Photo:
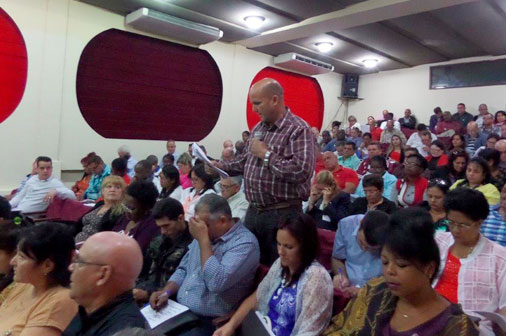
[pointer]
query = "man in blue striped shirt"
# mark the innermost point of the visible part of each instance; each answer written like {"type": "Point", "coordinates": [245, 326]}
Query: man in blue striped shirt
{"type": "Point", "coordinates": [494, 227]}
{"type": "Point", "coordinates": [218, 271]}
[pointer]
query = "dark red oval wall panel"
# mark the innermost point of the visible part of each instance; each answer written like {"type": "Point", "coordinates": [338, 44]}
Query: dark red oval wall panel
{"type": "Point", "coordinates": [131, 86]}
{"type": "Point", "coordinates": [13, 65]}
{"type": "Point", "coordinates": [303, 95]}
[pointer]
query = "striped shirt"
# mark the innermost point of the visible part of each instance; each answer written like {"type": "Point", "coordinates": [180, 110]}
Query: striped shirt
{"type": "Point", "coordinates": [287, 176]}
{"type": "Point", "coordinates": [494, 227]}
{"type": "Point", "coordinates": [226, 278]}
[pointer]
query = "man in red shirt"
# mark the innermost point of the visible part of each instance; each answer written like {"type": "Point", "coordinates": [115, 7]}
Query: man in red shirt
{"type": "Point", "coordinates": [346, 178]}
{"type": "Point", "coordinates": [373, 150]}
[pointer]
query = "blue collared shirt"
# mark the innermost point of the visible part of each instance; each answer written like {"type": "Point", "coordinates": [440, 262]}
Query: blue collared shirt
{"type": "Point", "coordinates": [389, 191]}
{"type": "Point", "coordinates": [227, 277]}
{"type": "Point", "coordinates": [95, 188]}
{"type": "Point", "coordinates": [361, 266]}
{"type": "Point", "coordinates": [494, 226]}
{"type": "Point", "coordinates": [352, 162]}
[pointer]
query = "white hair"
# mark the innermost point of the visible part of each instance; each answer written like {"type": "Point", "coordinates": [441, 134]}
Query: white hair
{"type": "Point", "coordinates": [124, 149]}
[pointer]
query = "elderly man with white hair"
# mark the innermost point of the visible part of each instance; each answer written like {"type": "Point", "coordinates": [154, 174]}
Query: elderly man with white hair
{"type": "Point", "coordinates": [231, 191]}
{"type": "Point", "coordinates": [124, 153]}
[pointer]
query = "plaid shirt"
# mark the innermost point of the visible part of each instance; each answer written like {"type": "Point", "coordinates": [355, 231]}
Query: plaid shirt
{"type": "Point", "coordinates": [226, 278]}
{"type": "Point", "coordinates": [291, 163]}
{"type": "Point", "coordinates": [494, 227]}
{"type": "Point", "coordinates": [95, 188]}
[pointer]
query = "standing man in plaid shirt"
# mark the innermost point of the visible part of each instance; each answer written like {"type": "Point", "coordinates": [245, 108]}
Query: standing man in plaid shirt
{"type": "Point", "coordinates": [277, 165]}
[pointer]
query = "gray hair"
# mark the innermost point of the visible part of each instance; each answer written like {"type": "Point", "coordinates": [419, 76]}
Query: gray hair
{"type": "Point", "coordinates": [124, 149]}
{"type": "Point", "coordinates": [215, 204]}
{"type": "Point", "coordinates": [237, 180]}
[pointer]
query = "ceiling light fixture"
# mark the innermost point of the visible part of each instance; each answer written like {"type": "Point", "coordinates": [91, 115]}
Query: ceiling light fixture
{"type": "Point", "coordinates": [254, 21]}
{"type": "Point", "coordinates": [324, 46]}
{"type": "Point", "coordinates": [370, 63]}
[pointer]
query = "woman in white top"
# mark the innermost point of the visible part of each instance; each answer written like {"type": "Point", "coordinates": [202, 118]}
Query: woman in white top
{"type": "Point", "coordinates": [202, 185]}
{"type": "Point", "coordinates": [171, 185]}
{"type": "Point", "coordinates": [296, 295]}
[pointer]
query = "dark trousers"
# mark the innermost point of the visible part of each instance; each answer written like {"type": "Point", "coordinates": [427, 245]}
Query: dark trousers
{"type": "Point", "coordinates": [264, 225]}
{"type": "Point", "coordinates": [204, 327]}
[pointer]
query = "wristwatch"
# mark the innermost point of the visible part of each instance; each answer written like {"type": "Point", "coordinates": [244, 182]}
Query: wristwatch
{"type": "Point", "coordinates": [266, 158]}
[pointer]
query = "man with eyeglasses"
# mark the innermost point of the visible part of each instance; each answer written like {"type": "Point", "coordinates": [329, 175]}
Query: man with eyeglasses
{"type": "Point", "coordinates": [231, 190]}
{"type": "Point", "coordinates": [103, 275]}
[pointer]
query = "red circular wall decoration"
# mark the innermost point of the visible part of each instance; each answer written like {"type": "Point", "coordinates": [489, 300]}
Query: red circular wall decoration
{"type": "Point", "coordinates": [303, 95]}
{"type": "Point", "coordinates": [13, 65]}
{"type": "Point", "coordinates": [131, 86]}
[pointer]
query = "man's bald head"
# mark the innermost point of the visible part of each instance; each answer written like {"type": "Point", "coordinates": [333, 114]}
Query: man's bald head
{"type": "Point", "coordinates": [107, 265]}
{"type": "Point", "coordinates": [266, 97]}
{"type": "Point", "coordinates": [501, 147]}
{"type": "Point", "coordinates": [227, 154]}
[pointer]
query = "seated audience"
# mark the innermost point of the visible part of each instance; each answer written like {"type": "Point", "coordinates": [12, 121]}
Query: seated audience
{"type": "Point", "coordinates": [455, 169]}
{"type": "Point", "coordinates": [231, 191]}
{"type": "Point", "coordinates": [411, 189]}
{"type": "Point", "coordinates": [435, 118]}
{"type": "Point", "coordinates": [138, 223]}
{"type": "Point", "coordinates": [296, 294]}
{"type": "Point", "coordinates": [458, 142]}
{"type": "Point", "coordinates": [144, 172]}
{"type": "Point", "coordinates": [488, 127]}
{"type": "Point", "coordinates": [103, 275]}
{"type": "Point", "coordinates": [437, 157]}
{"type": "Point", "coordinates": [349, 158]}
{"type": "Point", "coordinates": [373, 149]}
{"type": "Point", "coordinates": [184, 164]}
{"type": "Point", "coordinates": [80, 186]}
{"type": "Point", "coordinates": [202, 185]}
{"type": "Point", "coordinates": [408, 121]}
{"type": "Point", "coordinates": [39, 302]}
{"type": "Point", "coordinates": [328, 204]}
{"type": "Point", "coordinates": [240, 146]}
{"type": "Point", "coordinates": [490, 143]}
{"type": "Point", "coordinates": [374, 129]}
{"type": "Point", "coordinates": [473, 138]}
{"type": "Point", "coordinates": [171, 149]}
{"type": "Point", "coordinates": [478, 177]}
{"type": "Point", "coordinates": [483, 109]}
{"type": "Point", "coordinates": [218, 271]}
{"type": "Point", "coordinates": [379, 167]}
{"type": "Point", "coordinates": [403, 302]}
{"type": "Point", "coordinates": [124, 153]}
{"type": "Point", "coordinates": [436, 191]}
{"type": "Point", "coordinates": [462, 116]}
{"type": "Point", "coordinates": [326, 137]}
{"type": "Point", "coordinates": [395, 151]}
{"type": "Point", "coordinates": [9, 235]}
{"type": "Point", "coordinates": [5, 211]}
{"type": "Point", "coordinates": [168, 160]}
{"type": "Point", "coordinates": [390, 116]}
{"type": "Point", "coordinates": [245, 136]}
{"type": "Point", "coordinates": [501, 147]}
{"type": "Point", "coordinates": [119, 168]}
{"type": "Point", "coordinates": [170, 183]}
{"type": "Point", "coordinates": [227, 154]}
{"type": "Point", "coordinates": [389, 131]}
{"type": "Point", "coordinates": [493, 158]}
{"type": "Point", "coordinates": [155, 167]}
{"type": "Point", "coordinates": [356, 137]}
{"type": "Point", "coordinates": [352, 123]}
{"type": "Point", "coordinates": [166, 250]}
{"type": "Point", "coordinates": [362, 148]}
{"type": "Point", "coordinates": [500, 118]}
{"type": "Point", "coordinates": [105, 215]}
{"type": "Point", "coordinates": [473, 268]}
{"type": "Point", "coordinates": [447, 127]}
{"type": "Point", "coordinates": [415, 140]}
{"type": "Point", "coordinates": [40, 189]}
{"type": "Point", "coordinates": [100, 171]}
{"type": "Point", "coordinates": [397, 169]}
{"type": "Point", "coordinates": [494, 227]}
{"type": "Point", "coordinates": [373, 200]}
{"type": "Point", "coordinates": [345, 178]}
{"type": "Point", "coordinates": [355, 256]}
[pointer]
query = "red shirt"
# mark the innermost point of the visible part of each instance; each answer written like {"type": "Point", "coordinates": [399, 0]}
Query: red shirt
{"type": "Point", "coordinates": [344, 175]}
{"type": "Point", "coordinates": [127, 179]}
{"type": "Point", "coordinates": [319, 166]}
{"type": "Point", "coordinates": [448, 284]}
{"type": "Point", "coordinates": [376, 133]}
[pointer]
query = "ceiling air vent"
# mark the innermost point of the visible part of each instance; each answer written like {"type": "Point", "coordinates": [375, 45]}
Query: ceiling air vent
{"type": "Point", "coordinates": [175, 28]}
{"type": "Point", "coordinates": [300, 63]}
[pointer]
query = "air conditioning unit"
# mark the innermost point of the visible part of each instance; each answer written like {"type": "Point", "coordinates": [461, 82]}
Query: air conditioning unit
{"type": "Point", "coordinates": [299, 63]}
{"type": "Point", "coordinates": [151, 21]}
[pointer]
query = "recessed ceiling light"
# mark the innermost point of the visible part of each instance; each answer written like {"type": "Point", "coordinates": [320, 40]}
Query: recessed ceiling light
{"type": "Point", "coordinates": [254, 21]}
{"type": "Point", "coordinates": [324, 46]}
{"type": "Point", "coordinates": [370, 63]}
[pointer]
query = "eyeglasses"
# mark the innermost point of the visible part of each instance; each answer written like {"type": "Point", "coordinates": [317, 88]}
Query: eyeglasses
{"type": "Point", "coordinates": [411, 164]}
{"type": "Point", "coordinates": [460, 226]}
{"type": "Point", "coordinates": [224, 186]}
{"type": "Point", "coordinates": [78, 260]}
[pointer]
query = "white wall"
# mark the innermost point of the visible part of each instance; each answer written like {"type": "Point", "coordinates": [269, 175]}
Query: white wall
{"type": "Point", "coordinates": [48, 120]}
{"type": "Point", "coordinates": [400, 89]}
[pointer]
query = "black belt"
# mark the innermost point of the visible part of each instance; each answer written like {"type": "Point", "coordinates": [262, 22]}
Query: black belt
{"type": "Point", "coordinates": [278, 206]}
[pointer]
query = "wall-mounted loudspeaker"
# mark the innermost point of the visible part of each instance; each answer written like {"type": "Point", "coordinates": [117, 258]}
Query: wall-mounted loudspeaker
{"type": "Point", "coordinates": [349, 87]}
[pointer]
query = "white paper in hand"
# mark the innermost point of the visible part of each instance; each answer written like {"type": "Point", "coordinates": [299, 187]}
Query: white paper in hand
{"type": "Point", "coordinates": [197, 152]}
{"type": "Point", "coordinates": [494, 317]}
{"type": "Point", "coordinates": [155, 318]}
